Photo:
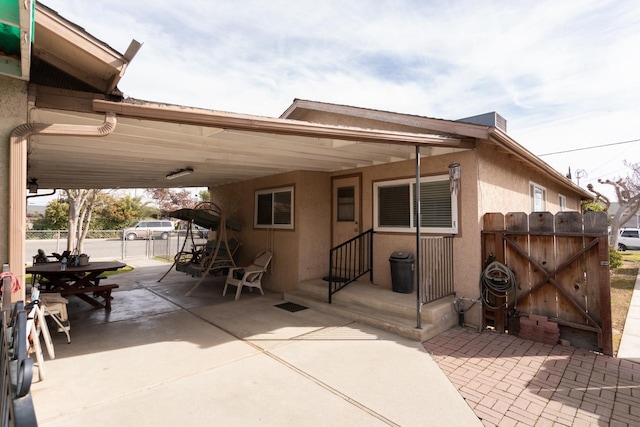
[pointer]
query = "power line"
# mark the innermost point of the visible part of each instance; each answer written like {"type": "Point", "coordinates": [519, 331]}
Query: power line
{"type": "Point", "coordinates": [589, 148]}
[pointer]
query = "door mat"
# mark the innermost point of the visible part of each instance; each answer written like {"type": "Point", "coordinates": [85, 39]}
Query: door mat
{"type": "Point", "coordinates": [291, 306]}
{"type": "Point", "coordinates": [335, 279]}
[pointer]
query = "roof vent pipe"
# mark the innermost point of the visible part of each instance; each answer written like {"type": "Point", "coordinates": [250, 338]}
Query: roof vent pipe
{"type": "Point", "coordinates": [18, 176]}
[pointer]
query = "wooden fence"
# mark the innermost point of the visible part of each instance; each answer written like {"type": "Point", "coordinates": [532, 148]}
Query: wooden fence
{"type": "Point", "coordinates": [561, 266]}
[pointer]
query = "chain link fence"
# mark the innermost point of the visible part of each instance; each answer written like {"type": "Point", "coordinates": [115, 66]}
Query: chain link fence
{"type": "Point", "coordinates": [109, 245]}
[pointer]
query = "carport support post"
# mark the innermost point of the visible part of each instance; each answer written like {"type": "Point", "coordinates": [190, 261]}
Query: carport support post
{"type": "Point", "coordinates": [417, 260]}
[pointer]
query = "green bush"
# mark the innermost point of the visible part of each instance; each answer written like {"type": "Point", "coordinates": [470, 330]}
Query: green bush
{"type": "Point", "coordinates": [615, 258]}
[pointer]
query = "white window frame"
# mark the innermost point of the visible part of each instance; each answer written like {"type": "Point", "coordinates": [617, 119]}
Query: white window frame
{"type": "Point", "coordinates": [273, 191]}
{"type": "Point", "coordinates": [535, 189]}
{"type": "Point", "coordinates": [409, 181]}
{"type": "Point", "coordinates": [562, 202]}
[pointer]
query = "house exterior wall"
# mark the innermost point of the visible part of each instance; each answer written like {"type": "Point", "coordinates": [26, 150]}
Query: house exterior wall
{"type": "Point", "coordinates": [490, 182]}
{"type": "Point", "coordinates": [302, 253]}
{"type": "Point", "coordinates": [466, 242]}
{"type": "Point", "coordinates": [13, 110]}
{"type": "Point", "coordinates": [298, 254]}
{"type": "Point", "coordinates": [504, 184]}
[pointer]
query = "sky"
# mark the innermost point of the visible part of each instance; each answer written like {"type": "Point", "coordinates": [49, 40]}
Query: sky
{"type": "Point", "coordinates": [564, 74]}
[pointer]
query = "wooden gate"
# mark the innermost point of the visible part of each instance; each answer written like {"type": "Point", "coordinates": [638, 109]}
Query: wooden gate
{"type": "Point", "coordinates": [561, 266]}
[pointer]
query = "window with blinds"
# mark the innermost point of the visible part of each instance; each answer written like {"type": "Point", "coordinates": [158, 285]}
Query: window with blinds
{"type": "Point", "coordinates": [394, 207]}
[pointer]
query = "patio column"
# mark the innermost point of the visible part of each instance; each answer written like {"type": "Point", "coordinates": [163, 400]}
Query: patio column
{"type": "Point", "coordinates": [417, 259]}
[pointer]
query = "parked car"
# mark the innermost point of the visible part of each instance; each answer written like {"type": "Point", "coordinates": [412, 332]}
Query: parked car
{"type": "Point", "coordinates": [196, 230]}
{"type": "Point", "coordinates": [629, 239]}
{"type": "Point", "coordinates": [149, 229]}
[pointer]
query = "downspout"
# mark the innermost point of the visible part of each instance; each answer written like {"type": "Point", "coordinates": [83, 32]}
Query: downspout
{"type": "Point", "coordinates": [18, 142]}
{"type": "Point", "coordinates": [417, 259]}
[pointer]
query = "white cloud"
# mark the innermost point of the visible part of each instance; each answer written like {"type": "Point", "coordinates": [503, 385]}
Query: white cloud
{"type": "Point", "coordinates": [562, 73]}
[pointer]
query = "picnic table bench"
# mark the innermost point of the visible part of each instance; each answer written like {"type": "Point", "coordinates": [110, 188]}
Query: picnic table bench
{"type": "Point", "coordinates": [80, 280]}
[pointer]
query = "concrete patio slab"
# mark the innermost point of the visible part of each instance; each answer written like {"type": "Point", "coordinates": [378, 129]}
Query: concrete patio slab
{"type": "Point", "coordinates": [163, 359]}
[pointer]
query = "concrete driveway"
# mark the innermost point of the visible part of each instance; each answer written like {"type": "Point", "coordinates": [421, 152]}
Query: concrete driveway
{"type": "Point", "coordinates": [163, 359]}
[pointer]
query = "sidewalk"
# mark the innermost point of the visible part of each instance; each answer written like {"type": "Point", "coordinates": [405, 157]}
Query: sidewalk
{"type": "Point", "coordinates": [630, 343]}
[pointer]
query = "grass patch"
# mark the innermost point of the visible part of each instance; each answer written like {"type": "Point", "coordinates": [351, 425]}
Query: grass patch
{"type": "Point", "coordinates": [127, 268]}
{"type": "Point", "coordinates": [623, 280]}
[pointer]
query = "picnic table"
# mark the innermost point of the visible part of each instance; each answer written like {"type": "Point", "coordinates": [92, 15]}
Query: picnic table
{"type": "Point", "coordinates": [79, 280]}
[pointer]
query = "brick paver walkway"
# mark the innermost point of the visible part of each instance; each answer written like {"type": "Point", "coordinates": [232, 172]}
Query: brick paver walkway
{"type": "Point", "coordinates": [509, 381]}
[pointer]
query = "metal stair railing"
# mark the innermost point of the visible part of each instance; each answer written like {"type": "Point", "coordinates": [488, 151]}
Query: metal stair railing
{"type": "Point", "coordinates": [349, 261]}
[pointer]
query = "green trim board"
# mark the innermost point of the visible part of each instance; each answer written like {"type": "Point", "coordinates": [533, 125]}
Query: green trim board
{"type": "Point", "coordinates": [16, 33]}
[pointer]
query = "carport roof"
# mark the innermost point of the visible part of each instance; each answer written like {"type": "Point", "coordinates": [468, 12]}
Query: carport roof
{"type": "Point", "coordinates": [151, 140]}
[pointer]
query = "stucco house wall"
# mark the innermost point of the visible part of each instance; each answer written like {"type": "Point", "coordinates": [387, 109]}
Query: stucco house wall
{"type": "Point", "coordinates": [504, 184]}
{"type": "Point", "coordinates": [298, 254]}
{"type": "Point", "coordinates": [490, 182]}
{"type": "Point", "coordinates": [13, 110]}
{"type": "Point", "coordinates": [466, 242]}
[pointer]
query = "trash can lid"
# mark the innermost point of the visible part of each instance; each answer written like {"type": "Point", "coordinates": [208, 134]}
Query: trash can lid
{"type": "Point", "coordinates": [405, 256]}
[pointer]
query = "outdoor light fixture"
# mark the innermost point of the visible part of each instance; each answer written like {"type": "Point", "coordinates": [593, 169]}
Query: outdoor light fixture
{"type": "Point", "coordinates": [179, 173]}
{"type": "Point", "coordinates": [454, 177]}
{"type": "Point", "coordinates": [33, 185]}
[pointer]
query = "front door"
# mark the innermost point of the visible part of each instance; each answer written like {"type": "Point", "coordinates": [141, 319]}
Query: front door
{"type": "Point", "coordinates": [346, 208]}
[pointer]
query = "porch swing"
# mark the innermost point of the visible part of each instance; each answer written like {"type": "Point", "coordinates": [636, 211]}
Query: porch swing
{"type": "Point", "coordinates": [216, 256]}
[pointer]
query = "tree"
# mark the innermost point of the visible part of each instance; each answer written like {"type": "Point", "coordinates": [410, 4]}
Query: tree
{"type": "Point", "coordinates": [628, 195]}
{"type": "Point", "coordinates": [169, 200]}
{"type": "Point", "coordinates": [81, 203]}
{"type": "Point", "coordinates": [205, 196]}
{"type": "Point", "coordinates": [56, 216]}
{"type": "Point", "coordinates": [115, 213]}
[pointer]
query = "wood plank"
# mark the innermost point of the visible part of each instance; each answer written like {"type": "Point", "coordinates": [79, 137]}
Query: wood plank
{"type": "Point", "coordinates": [492, 247]}
{"type": "Point", "coordinates": [541, 249]}
{"type": "Point", "coordinates": [596, 222]}
{"type": "Point", "coordinates": [605, 296]}
{"type": "Point", "coordinates": [571, 278]}
{"type": "Point", "coordinates": [592, 272]}
{"type": "Point", "coordinates": [518, 222]}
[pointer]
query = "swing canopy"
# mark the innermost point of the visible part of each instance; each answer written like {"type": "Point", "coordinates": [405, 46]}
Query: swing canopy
{"type": "Point", "coordinates": [203, 218]}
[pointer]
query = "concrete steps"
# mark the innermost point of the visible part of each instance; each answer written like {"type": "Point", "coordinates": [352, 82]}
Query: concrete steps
{"type": "Point", "coordinates": [379, 307]}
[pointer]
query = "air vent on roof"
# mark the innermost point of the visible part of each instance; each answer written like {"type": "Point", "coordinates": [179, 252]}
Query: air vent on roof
{"type": "Point", "coordinates": [492, 119]}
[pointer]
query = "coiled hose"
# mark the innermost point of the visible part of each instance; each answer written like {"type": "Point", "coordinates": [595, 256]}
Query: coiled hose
{"type": "Point", "coordinates": [497, 281]}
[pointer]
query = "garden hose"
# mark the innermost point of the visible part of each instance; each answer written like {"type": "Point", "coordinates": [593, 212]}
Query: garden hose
{"type": "Point", "coordinates": [497, 280]}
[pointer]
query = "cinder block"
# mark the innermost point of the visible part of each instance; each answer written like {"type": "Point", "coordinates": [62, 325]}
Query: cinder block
{"type": "Point", "coordinates": [525, 321]}
{"type": "Point", "coordinates": [550, 326]}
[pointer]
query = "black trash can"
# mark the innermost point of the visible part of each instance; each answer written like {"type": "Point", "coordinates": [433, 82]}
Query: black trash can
{"type": "Point", "coordinates": [402, 267]}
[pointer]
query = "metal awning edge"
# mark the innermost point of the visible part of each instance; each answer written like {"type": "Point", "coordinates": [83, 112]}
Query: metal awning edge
{"type": "Point", "coordinates": [202, 117]}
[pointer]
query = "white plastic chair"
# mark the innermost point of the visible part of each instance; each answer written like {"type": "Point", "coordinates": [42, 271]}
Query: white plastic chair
{"type": "Point", "coordinates": [250, 275]}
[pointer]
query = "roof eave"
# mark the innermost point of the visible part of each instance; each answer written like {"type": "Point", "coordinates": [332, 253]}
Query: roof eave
{"type": "Point", "coordinates": [71, 49]}
{"type": "Point", "coordinates": [525, 155]}
{"type": "Point", "coordinates": [440, 126]}
{"type": "Point", "coordinates": [194, 116]}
